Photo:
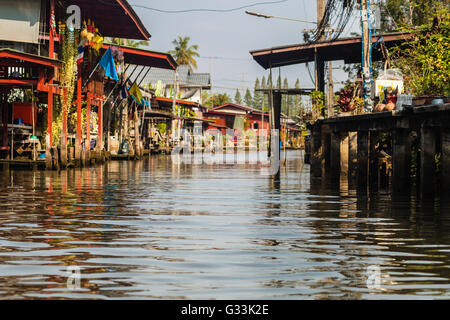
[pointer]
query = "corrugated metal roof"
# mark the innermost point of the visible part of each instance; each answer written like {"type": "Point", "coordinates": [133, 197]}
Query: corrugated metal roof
{"type": "Point", "coordinates": [184, 77]}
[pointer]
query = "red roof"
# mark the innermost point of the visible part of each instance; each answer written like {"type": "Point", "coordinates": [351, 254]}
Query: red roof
{"type": "Point", "coordinates": [237, 106]}
{"type": "Point", "coordinates": [10, 54]}
{"type": "Point", "coordinates": [182, 102]}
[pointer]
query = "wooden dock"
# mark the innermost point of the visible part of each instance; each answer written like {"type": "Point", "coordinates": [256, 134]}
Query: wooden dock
{"type": "Point", "coordinates": [350, 146]}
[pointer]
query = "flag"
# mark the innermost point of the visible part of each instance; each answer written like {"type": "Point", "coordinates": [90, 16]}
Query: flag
{"type": "Point", "coordinates": [124, 92]}
{"type": "Point", "coordinates": [107, 63]}
{"type": "Point", "coordinates": [80, 56]}
{"type": "Point", "coordinates": [135, 92]}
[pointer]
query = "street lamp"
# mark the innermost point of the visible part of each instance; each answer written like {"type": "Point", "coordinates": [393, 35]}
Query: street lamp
{"type": "Point", "coordinates": [266, 16]}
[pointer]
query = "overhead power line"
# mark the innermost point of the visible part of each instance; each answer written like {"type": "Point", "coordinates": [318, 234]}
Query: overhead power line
{"type": "Point", "coordinates": [209, 10]}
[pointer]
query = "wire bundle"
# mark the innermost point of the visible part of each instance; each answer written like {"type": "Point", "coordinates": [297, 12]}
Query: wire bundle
{"type": "Point", "coordinates": [336, 16]}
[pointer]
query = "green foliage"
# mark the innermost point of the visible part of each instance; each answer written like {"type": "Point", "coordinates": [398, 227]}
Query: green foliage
{"type": "Point", "coordinates": [406, 13]}
{"type": "Point", "coordinates": [425, 60]}
{"type": "Point", "coordinates": [162, 127]}
{"type": "Point", "coordinates": [248, 98]}
{"type": "Point", "coordinates": [318, 103]}
{"type": "Point", "coordinates": [184, 53]}
{"type": "Point", "coordinates": [215, 99]}
{"type": "Point", "coordinates": [257, 96]}
{"type": "Point", "coordinates": [128, 42]}
{"type": "Point", "coordinates": [237, 97]}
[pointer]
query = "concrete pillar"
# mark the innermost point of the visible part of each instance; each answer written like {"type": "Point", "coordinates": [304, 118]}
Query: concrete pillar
{"type": "Point", "coordinates": [373, 160]}
{"type": "Point", "coordinates": [352, 154]}
{"type": "Point", "coordinates": [316, 152]}
{"type": "Point", "coordinates": [427, 161]}
{"type": "Point", "coordinates": [344, 158]}
{"type": "Point", "coordinates": [335, 155]}
{"type": "Point", "coordinates": [401, 160]}
{"type": "Point", "coordinates": [445, 161]}
{"type": "Point", "coordinates": [363, 159]}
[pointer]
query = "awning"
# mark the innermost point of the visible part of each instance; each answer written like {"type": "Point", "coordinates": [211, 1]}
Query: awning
{"type": "Point", "coordinates": [10, 56]}
{"type": "Point", "coordinates": [13, 58]}
{"type": "Point", "coordinates": [146, 58]}
{"type": "Point", "coordinates": [114, 18]}
{"type": "Point", "coordinates": [347, 49]}
{"type": "Point", "coordinates": [167, 101]}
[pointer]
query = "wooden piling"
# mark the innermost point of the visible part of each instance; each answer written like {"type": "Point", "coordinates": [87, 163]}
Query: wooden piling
{"type": "Point", "coordinates": [335, 155]}
{"type": "Point", "coordinates": [363, 159]}
{"type": "Point", "coordinates": [445, 161]}
{"type": "Point", "coordinates": [48, 153]}
{"type": "Point", "coordinates": [326, 147]}
{"type": "Point", "coordinates": [344, 156]}
{"type": "Point", "coordinates": [316, 152]}
{"type": "Point", "coordinates": [374, 137]}
{"type": "Point", "coordinates": [401, 160]}
{"type": "Point", "coordinates": [427, 161]}
{"type": "Point", "coordinates": [352, 155]}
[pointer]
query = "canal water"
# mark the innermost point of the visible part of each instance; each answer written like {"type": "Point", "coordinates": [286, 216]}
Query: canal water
{"type": "Point", "coordinates": [154, 229]}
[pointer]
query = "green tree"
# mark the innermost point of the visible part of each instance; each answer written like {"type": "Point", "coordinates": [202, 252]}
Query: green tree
{"type": "Point", "coordinates": [297, 100]}
{"type": "Point", "coordinates": [402, 13]}
{"type": "Point", "coordinates": [184, 53]}
{"type": "Point", "coordinates": [237, 97]}
{"type": "Point", "coordinates": [279, 82]}
{"type": "Point", "coordinates": [285, 101]}
{"type": "Point", "coordinates": [425, 59]}
{"type": "Point", "coordinates": [248, 99]}
{"type": "Point", "coordinates": [264, 96]}
{"type": "Point", "coordinates": [215, 99]}
{"type": "Point", "coordinates": [257, 96]}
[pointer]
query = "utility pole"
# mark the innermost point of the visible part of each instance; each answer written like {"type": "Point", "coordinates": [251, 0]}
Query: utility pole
{"type": "Point", "coordinates": [367, 53]}
{"type": "Point", "coordinates": [318, 60]}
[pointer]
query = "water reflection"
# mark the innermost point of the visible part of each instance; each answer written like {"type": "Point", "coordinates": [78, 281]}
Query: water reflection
{"type": "Point", "coordinates": [156, 229]}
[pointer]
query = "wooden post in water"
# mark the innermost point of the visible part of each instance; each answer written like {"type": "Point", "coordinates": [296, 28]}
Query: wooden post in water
{"type": "Point", "coordinates": [64, 131]}
{"type": "Point", "coordinates": [335, 155]}
{"type": "Point", "coordinates": [344, 159]}
{"type": "Point", "coordinates": [363, 160]}
{"type": "Point", "coordinates": [277, 124]}
{"type": "Point", "coordinates": [427, 161]}
{"type": "Point", "coordinates": [445, 161]}
{"type": "Point", "coordinates": [316, 151]}
{"type": "Point", "coordinates": [373, 160]}
{"type": "Point", "coordinates": [326, 147]}
{"type": "Point", "coordinates": [352, 155]}
{"type": "Point", "coordinates": [401, 160]}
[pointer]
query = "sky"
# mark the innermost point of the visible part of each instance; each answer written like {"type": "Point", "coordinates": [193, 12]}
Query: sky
{"type": "Point", "coordinates": [225, 38]}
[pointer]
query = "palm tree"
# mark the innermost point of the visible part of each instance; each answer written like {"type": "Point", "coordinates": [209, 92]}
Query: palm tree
{"type": "Point", "coordinates": [184, 53]}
